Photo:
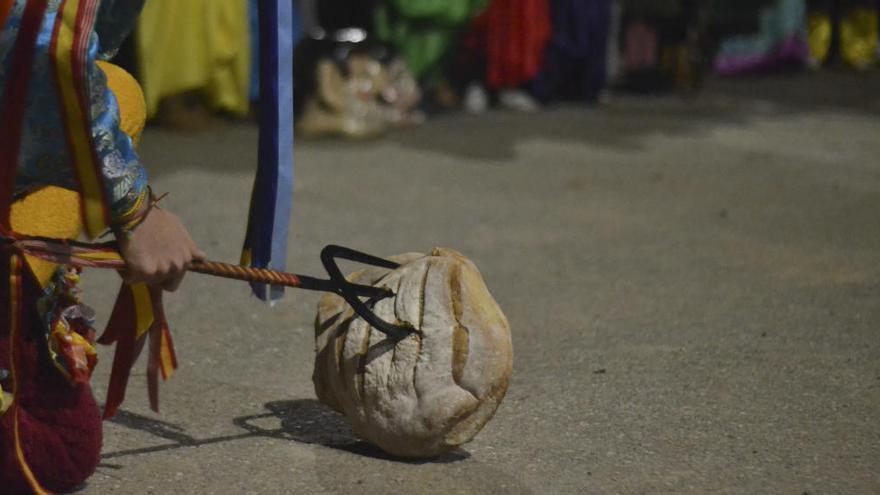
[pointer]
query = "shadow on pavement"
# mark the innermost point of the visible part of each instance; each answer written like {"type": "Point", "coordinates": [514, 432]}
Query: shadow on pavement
{"type": "Point", "coordinates": [303, 420]}
{"type": "Point", "coordinates": [310, 422]}
{"type": "Point", "coordinates": [168, 431]}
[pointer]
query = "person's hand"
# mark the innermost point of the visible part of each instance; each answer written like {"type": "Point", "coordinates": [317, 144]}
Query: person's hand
{"type": "Point", "coordinates": [159, 251]}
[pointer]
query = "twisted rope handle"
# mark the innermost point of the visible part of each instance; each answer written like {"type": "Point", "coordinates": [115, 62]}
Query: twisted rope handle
{"type": "Point", "coordinates": [107, 256]}
{"type": "Point", "coordinates": [258, 275]}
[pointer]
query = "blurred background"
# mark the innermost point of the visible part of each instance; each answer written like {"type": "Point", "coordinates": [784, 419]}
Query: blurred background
{"type": "Point", "coordinates": [364, 68]}
{"type": "Point", "coordinates": [675, 203]}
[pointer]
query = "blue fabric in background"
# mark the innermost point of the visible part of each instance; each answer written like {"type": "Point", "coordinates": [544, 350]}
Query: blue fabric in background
{"type": "Point", "coordinates": [575, 64]}
{"type": "Point", "coordinates": [254, 21]}
{"type": "Point", "coordinates": [265, 243]}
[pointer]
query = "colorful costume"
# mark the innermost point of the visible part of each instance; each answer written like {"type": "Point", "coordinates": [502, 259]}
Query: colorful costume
{"type": "Point", "coordinates": [61, 131]}
{"type": "Point", "coordinates": [857, 25]}
{"type": "Point", "coordinates": [70, 121]}
{"type": "Point", "coordinates": [424, 32]}
{"type": "Point", "coordinates": [196, 45]}
{"type": "Point", "coordinates": [575, 66]}
{"type": "Point", "coordinates": [45, 158]}
{"type": "Point", "coordinates": [781, 40]}
{"type": "Point", "coordinates": [512, 35]}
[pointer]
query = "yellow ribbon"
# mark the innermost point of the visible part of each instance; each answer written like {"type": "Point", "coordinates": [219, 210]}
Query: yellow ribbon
{"type": "Point", "coordinates": [5, 400]}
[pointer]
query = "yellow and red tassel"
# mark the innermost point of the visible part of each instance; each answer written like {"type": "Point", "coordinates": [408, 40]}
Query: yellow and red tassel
{"type": "Point", "coordinates": [136, 317]}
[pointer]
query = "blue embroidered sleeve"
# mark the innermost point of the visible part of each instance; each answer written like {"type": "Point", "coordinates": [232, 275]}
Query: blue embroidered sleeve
{"type": "Point", "coordinates": [124, 177]}
{"type": "Point", "coordinates": [44, 158]}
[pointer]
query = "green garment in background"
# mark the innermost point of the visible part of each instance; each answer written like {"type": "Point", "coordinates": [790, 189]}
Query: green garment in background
{"type": "Point", "coordinates": [425, 31]}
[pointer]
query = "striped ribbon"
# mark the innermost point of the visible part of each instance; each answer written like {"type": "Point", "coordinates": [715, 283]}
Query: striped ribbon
{"type": "Point", "coordinates": [70, 42]}
{"type": "Point", "coordinates": [12, 107]}
{"type": "Point", "coordinates": [265, 243]}
{"type": "Point", "coordinates": [13, 104]}
{"type": "Point", "coordinates": [69, 252]}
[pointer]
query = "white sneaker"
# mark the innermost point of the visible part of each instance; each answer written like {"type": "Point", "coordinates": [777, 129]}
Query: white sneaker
{"type": "Point", "coordinates": [517, 100]}
{"type": "Point", "coordinates": [476, 101]}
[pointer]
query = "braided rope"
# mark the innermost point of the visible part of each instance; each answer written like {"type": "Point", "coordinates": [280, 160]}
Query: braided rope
{"type": "Point", "coordinates": [102, 256]}
{"type": "Point", "coordinates": [258, 275]}
{"type": "Point", "coordinates": [107, 256]}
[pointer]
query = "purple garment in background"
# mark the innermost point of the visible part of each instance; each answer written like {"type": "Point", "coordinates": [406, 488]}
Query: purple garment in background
{"type": "Point", "coordinates": [792, 51]}
{"type": "Point", "coordinates": [575, 65]}
{"type": "Point", "coordinates": [781, 41]}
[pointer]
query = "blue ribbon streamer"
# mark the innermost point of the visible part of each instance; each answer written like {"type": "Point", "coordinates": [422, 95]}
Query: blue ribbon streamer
{"type": "Point", "coordinates": [265, 243]}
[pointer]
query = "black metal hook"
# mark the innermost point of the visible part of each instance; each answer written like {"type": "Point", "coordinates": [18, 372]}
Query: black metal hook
{"type": "Point", "coordinates": [350, 291]}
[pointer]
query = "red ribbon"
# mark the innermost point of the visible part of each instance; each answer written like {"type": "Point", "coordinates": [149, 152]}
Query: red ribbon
{"type": "Point", "coordinates": [122, 331]}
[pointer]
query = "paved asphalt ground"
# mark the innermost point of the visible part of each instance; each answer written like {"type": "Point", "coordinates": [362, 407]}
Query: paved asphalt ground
{"type": "Point", "coordinates": [693, 286]}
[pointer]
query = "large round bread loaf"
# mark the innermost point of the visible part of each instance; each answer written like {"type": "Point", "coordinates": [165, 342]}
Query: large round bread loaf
{"type": "Point", "coordinates": [436, 388]}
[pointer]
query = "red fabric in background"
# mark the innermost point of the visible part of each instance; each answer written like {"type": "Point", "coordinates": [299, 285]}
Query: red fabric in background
{"type": "Point", "coordinates": [60, 424]}
{"type": "Point", "coordinates": [513, 35]}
